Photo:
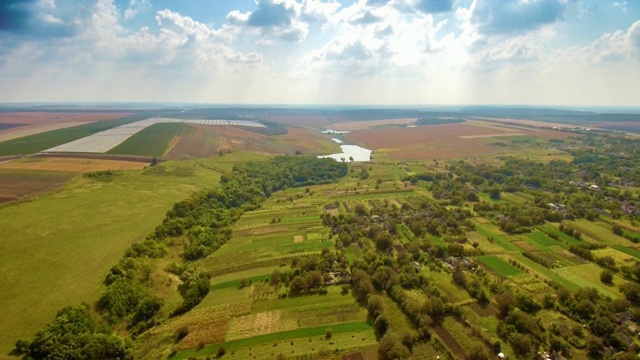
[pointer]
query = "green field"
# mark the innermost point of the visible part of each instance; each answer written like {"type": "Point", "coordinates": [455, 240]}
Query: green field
{"type": "Point", "coordinates": [490, 232]}
{"type": "Point", "coordinates": [307, 341]}
{"type": "Point", "coordinates": [39, 142]}
{"type": "Point", "coordinates": [56, 251]}
{"type": "Point", "coordinates": [152, 141]}
{"type": "Point", "coordinates": [499, 266]}
{"type": "Point", "coordinates": [629, 251]}
{"type": "Point", "coordinates": [542, 239]}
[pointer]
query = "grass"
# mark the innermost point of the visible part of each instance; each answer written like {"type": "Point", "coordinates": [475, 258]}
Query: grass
{"type": "Point", "coordinates": [43, 141]}
{"type": "Point", "coordinates": [597, 232]}
{"type": "Point", "coordinates": [499, 266]}
{"type": "Point", "coordinates": [542, 238]}
{"type": "Point", "coordinates": [56, 250]}
{"type": "Point", "coordinates": [552, 229]}
{"type": "Point", "coordinates": [587, 275]}
{"type": "Point", "coordinates": [360, 327]}
{"type": "Point", "coordinates": [633, 252]}
{"type": "Point", "coordinates": [152, 141]}
{"type": "Point", "coordinates": [490, 232]}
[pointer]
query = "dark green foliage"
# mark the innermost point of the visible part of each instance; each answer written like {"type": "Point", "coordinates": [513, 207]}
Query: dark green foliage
{"type": "Point", "coordinates": [73, 335]}
{"type": "Point", "coordinates": [606, 276]}
{"type": "Point", "coordinates": [438, 121]}
{"type": "Point", "coordinates": [21, 346]}
{"type": "Point", "coordinates": [195, 286]}
{"type": "Point", "coordinates": [392, 348]}
{"type": "Point", "coordinates": [125, 298]}
{"type": "Point", "coordinates": [361, 284]}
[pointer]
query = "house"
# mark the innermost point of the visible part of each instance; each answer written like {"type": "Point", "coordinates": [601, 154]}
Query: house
{"type": "Point", "coordinates": [453, 261]}
{"type": "Point", "coordinates": [624, 316]}
{"type": "Point", "coordinates": [631, 326]}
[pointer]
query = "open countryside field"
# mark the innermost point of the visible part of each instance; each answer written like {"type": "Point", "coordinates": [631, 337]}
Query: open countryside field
{"type": "Point", "coordinates": [39, 142]}
{"type": "Point", "coordinates": [78, 165]}
{"type": "Point", "coordinates": [16, 184]}
{"type": "Point", "coordinates": [363, 125]}
{"type": "Point", "coordinates": [202, 141]}
{"type": "Point", "coordinates": [30, 118]}
{"type": "Point", "coordinates": [442, 141]}
{"type": "Point", "coordinates": [88, 224]}
{"type": "Point", "coordinates": [152, 141]}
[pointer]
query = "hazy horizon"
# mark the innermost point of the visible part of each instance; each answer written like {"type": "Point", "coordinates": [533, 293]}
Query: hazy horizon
{"type": "Point", "coordinates": [541, 53]}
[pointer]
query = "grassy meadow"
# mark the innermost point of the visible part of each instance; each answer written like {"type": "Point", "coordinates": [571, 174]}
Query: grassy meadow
{"type": "Point", "coordinates": [56, 249]}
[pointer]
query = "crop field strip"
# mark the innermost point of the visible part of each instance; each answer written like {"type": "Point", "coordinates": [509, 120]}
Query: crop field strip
{"type": "Point", "coordinates": [105, 141]}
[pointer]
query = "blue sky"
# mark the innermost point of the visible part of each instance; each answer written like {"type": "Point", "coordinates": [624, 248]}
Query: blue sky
{"type": "Point", "coordinates": [370, 52]}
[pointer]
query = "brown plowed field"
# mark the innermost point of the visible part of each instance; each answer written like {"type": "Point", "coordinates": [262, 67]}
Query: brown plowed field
{"type": "Point", "coordinates": [205, 141]}
{"type": "Point", "coordinates": [450, 342]}
{"type": "Point", "coordinates": [44, 117]}
{"type": "Point", "coordinates": [363, 125]}
{"type": "Point", "coordinates": [18, 184]}
{"type": "Point", "coordinates": [440, 141]}
{"type": "Point", "coordinates": [39, 122]}
{"type": "Point", "coordinates": [311, 121]}
{"type": "Point", "coordinates": [22, 131]}
{"type": "Point", "coordinates": [71, 164]}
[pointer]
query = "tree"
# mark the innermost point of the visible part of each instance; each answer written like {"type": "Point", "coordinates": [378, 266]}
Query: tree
{"type": "Point", "coordinates": [314, 280]}
{"type": "Point", "coordinates": [375, 306]}
{"type": "Point", "coordinates": [362, 285]}
{"type": "Point", "coordinates": [522, 344]}
{"type": "Point", "coordinates": [494, 193]}
{"type": "Point", "coordinates": [381, 324]}
{"type": "Point", "coordinates": [391, 348]}
{"type": "Point", "coordinates": [383, 241]}
{"type": "Point", "coordinates": [297, 285]}
{"type": "Point", "coordinates": [606, 276]}
{"type": "Point", "coordinates": [478, 352]}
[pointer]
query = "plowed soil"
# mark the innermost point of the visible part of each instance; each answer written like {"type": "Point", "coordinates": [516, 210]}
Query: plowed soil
{"type": "Point", "coordinates": [46, 117]}
{"type": "Point", "coordinates": [38, 122]}
{"type": "Point", "coordinates": [362, 125]}
{"type": "Point", "coordinates": [441, 141]}
{"type": "Point", "coordinates": [19, 184]}
{"type": "Point", "coordinates": [71, 164]}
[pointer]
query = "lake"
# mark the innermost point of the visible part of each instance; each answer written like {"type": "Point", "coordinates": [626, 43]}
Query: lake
{"type": "Point", "coordinates": [356, 152]}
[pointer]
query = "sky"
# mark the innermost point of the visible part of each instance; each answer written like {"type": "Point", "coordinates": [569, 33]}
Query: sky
{"type": "Point", "coordinates": [362, 52]}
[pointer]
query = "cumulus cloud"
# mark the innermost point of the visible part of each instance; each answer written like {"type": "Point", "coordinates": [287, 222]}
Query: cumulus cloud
{"type": "Point", "coordinates": [287, 20]}
{"type": "Point", "coordinates": [618, 46]}
{"type": "Point", "coordinates": [497, 17]}
{"type": "Point", "coordinates": [136, 6]}
{"type": "Point", "coordinates": [365, 18]}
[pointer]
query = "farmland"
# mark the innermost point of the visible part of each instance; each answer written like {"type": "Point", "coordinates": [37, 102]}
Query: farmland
{"type": "Point", "coordinates": [102, 217]}
{"type": "Point", "coordinates": [410, 251]}
{"type": "Point", "coordinates": [42, 141]}
{"type": "Point", "coordinates": [446, 141]}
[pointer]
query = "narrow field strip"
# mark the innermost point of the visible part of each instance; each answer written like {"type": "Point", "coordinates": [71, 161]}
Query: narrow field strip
{"type": "Point", "coordinates": [275, 337]}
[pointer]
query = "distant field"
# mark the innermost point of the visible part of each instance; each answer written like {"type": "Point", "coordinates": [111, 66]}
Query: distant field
{"type": "Point", "coordinates": [363, 125]}
{"type": "Point", "coordinates": [152, 141]}
{"type": "Point", "coordinates": [71, 164]}
{"type": "Point", "coordinates": [442, 141]}
{"type": "Point", "coordinates": [26, 118]}
{"type": "Point", "coordinates": [39, 142]}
